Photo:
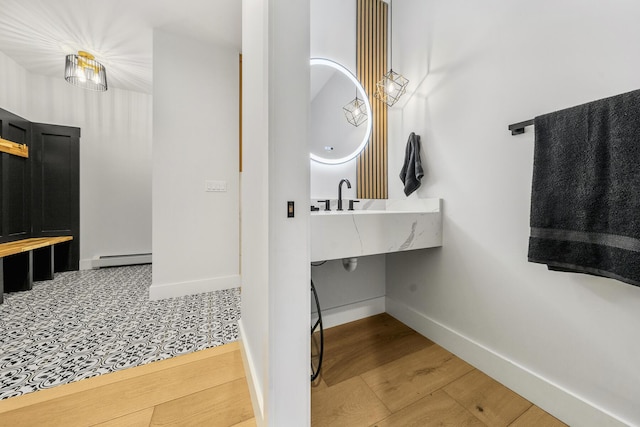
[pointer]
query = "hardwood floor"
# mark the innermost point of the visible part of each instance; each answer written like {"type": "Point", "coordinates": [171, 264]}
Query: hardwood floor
{"type": "Point", "coordinates": [378, 372]}
{"type": "Point", "coordinates": [205, 388]}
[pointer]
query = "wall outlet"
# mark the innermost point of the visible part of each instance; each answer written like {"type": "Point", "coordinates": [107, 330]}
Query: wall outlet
{"type": "Point", "coordinates": [215, 186]}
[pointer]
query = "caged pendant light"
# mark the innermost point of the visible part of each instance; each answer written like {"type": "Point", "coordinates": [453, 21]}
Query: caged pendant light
{"type": "Point", "coordinates": [393, 85]}
{"type": "Point", "coordinates": [356, 111]}
{"type": "Point", "coordinates": [84, 71]}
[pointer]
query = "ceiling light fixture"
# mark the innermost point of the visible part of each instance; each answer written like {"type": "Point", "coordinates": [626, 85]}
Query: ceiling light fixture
{"type": "Point", "coordinates": [393, 85]}
{"type": "Point", "coordinates": [84, 71]}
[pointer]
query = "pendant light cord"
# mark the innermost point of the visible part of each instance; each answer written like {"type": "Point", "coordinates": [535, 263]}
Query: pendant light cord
{"type": "Point", "coordinates": [391, 34]}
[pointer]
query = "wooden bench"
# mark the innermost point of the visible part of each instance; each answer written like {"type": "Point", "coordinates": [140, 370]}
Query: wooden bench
{"type": "Point", "coordinates": [26, 260]}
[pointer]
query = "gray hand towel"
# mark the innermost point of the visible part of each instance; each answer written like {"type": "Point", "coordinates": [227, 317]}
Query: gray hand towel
{"type": "Point", "coordinates": [585, 201]}
{"type": "Point", "coordinates": [411, 172]}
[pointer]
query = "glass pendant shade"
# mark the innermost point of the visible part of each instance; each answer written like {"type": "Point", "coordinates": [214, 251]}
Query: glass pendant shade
{"type": "Point", "coordinates": [84, 71]}
{"type": "Point", "coordinates": [391, 88]}
{"type": "Point", "coordinates": [356, 112]}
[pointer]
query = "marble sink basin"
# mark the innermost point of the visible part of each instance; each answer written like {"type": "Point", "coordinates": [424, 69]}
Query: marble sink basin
{"type": "Point", "coordinates": [398, 226]}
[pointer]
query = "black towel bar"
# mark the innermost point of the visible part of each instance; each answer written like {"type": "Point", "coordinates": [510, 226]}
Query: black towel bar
{"type": "Point", "coordinates": [518, 128]}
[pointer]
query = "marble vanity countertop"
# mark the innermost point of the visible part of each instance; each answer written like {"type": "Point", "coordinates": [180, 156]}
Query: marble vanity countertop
{"type": "Point", "coordinates": [382, 226]}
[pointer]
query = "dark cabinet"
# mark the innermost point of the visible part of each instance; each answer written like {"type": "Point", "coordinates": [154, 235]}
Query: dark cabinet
{"type": "Point", "coordinates": [40, 195]}
{"type": "Point", "coordinates": [15, 190]}
{"type": "Point", "coordinates": [55, 173]}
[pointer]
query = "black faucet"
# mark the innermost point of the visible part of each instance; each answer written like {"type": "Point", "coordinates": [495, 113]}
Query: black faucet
{"type": "Point", "coordinates": [327, 204]}
{"type": "Point", "coordinates": [340, 192]}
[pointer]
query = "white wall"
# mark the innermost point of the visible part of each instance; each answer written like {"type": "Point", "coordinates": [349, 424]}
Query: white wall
{"type": "Point", "coordinates": [13, 86]}
{"type": "Point", "coordinates": [254, 325]}
{"type": "Point", "coordinates": [115, 155]}
{"type": "Point", "coordinates": [560, 339]}
{"type": "Point", "coordinates": [195, 127]}
{"type": "Point", "coordinates": [347, 296]}
{"type": "Point", "coordinates": [275, 249]}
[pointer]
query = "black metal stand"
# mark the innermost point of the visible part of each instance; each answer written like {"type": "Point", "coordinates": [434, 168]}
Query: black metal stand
{"type": "Point", "coordinates": [316, 372]}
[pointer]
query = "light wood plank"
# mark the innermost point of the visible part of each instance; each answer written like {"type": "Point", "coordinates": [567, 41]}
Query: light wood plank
{"type": "Point", "coordinates": [10, 248]}
{"type": "Point", "coordinates": [137, 419]}
{"type": "Point", "coordinates": [350, 403]}
{"type": "Point", "coordinates": [224, 405]}
{"type": "Point", "coordinates": [113, 378]}
{"type": "Point", "coordinates": [408, 379]}
{"type": "Point", "coordinates": [491, 402]}
{"type": "Point", "coordinates": [359, 346]}
{"type": "Point", "coordinates": [119, 397]}
{"type": "Point", "coordinates": [437, 409]}
{"type": "Point", "coordinates": [14, 148]}
{"type": "Point", "coordinates": [535, 416]}
{"type": "Point", "coordinates": [318, 384]}
{"type": "Point", "coordinates": [247, 423]}
{"type": "Point", "coordinates": [412, 387]}
{"type": "Point", "coordinates": [240, 114]}
{"type": "Point", "coordinates": [25, 245]}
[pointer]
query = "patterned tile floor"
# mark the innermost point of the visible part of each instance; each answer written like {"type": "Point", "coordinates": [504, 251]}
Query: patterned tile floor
{"type": "Point", "coordinates": [87, 323]}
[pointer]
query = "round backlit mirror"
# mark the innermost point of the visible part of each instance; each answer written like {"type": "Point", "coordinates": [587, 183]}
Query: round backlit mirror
{"type": "Point", "coordinates": [334, 139]}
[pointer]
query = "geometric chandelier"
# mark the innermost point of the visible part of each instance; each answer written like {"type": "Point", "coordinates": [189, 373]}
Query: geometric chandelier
{"type": "Point", "coordinates": [355, 111]}
{"type": "Point", "coordinates": [391, 88]}
{"type": "Point", "coordinates": [84, 71]}
{"type": "Point", "coordinates": [392, 85]}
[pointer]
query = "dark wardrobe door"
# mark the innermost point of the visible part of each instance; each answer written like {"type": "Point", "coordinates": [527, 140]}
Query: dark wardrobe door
{"type": "Point", "coordinates": [55, 153]}
{"type": "Point", "coordinates": [15, 191]}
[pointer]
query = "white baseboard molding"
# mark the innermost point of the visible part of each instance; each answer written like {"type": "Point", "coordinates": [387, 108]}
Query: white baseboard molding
{"type": "Point", "coordinates": [86, 264]}
{"type": "Point", "coordinates": [348, 313]}
{"type": "Point", "coordinates": [179, 289]}
{"type": "Point", "coordinates": [257, 399]}
{"type": "Point", "coordinates": [115, 261]}
{"type": "Point", "coordinates": [559, 402]}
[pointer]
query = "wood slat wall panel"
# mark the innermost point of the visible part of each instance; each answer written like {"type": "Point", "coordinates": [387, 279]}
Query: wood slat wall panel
{"type": "Point", "coordinates": [371, 66]}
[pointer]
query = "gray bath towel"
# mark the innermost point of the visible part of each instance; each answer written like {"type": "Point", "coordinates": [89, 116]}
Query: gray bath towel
{"type": "Point", "coordinates": [585, 201]}
{"type": "Point", "coordinates": [412, 172]}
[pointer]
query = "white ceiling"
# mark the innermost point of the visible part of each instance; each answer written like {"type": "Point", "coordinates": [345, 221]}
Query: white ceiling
{"type": "Point", "coordinates": [38, 34]}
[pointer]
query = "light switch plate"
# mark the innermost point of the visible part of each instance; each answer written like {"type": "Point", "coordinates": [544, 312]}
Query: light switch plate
{"type": "Point", "coordinates": [215, 186]}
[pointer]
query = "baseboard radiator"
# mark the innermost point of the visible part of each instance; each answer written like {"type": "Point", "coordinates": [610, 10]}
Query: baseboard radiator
{"type": "Point", "coordinates": [120, 260]}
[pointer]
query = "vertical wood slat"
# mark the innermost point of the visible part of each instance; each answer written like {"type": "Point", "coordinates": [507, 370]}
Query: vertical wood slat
{"type": "Point", "coordinates": [375, 26]}
{"type": "Point", "coordinates": [383, 69]}
{"type": "Point", "coordinates": [362, 76]}
{"type": "Point", "coordinates": [370, 72]}
{"type": "Point", "coordinates": [371, 66]}
{"type": "Point", "coordinates": [359, 73]}
{"type": "Point", "coordinates": [240, 114]}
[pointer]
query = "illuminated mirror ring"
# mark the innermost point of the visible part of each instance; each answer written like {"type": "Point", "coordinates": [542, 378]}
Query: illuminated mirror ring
{"type": "Point", "coordinates": [365, 98]}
